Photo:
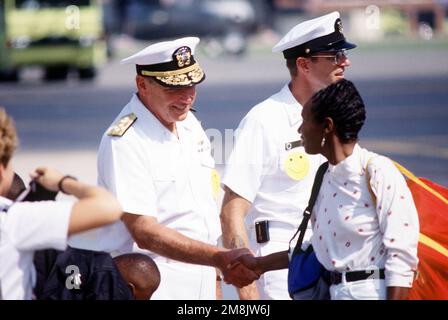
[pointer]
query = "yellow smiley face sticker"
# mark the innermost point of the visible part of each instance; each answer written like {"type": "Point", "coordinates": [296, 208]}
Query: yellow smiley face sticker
{"type": "Point", "coordinates": [297, 165]}
{"type": "Point", "coordinates": [216, 183]}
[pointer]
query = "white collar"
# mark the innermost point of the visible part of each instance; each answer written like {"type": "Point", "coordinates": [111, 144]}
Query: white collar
{"type": "Point", "coordinates": [292, 107]}
{"type": "Point", "coordinates": [350, 165]}
{"type": "Point", "coordinates": [146, 116]}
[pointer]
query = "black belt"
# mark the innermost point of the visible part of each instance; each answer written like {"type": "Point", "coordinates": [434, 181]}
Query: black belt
{"type": "Point", "coordinates": [336, 277]}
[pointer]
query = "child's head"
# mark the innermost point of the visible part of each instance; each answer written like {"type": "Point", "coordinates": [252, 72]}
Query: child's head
{"type": "Point", "coordinates": [141, 274]}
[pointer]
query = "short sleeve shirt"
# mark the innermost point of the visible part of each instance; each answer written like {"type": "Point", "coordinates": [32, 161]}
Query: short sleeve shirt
{"type": "Point", "coordinates": [268, 166]}
{"type": "Point", "coordinates": [153, 173]}
{"type": "Point", "coordinates": [24, 228]}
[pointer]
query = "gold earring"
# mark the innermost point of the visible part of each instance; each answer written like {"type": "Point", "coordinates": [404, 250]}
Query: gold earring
{"type": "Point", "coordinates": [323, 142]}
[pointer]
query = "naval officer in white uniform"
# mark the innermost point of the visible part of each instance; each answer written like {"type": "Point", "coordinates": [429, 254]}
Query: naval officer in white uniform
{"type": "Point", "coordinates": [156, 159]}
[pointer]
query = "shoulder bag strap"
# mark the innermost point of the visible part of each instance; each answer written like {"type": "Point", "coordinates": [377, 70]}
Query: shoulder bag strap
{"type": "Point", "coordinates": [309, 209]}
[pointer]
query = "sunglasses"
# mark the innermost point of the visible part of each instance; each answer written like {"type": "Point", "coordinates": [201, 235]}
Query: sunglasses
{"type": "Point", "coordinates": [338, 58]}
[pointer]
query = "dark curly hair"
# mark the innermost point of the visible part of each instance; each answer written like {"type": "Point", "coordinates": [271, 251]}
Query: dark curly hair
{"type": "Point", "coordinates": [341, 102]}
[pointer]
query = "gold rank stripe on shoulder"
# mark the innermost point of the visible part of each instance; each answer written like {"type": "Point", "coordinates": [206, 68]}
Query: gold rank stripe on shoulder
{"type": "Point", "coordinates": [119, 128]}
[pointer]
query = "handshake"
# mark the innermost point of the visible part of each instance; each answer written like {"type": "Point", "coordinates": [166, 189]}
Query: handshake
{"type": "Point", "coordinates": [239, 267]}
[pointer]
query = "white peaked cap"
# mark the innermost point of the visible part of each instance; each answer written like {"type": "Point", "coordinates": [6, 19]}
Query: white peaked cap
{"type": "Point", "coordinates": [161, 52]}
{"type": "Point", "coordinates": [170, 63]}
{"type": "Point", "coordinates": [324, 33]}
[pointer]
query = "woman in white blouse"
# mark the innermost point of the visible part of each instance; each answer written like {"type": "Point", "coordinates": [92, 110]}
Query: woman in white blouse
{"type": "Point", "coordinates": [365, 224]}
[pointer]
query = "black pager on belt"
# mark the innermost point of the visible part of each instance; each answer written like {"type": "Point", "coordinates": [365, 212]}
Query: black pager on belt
{"type": "Point", "coordinates": [262, 231]}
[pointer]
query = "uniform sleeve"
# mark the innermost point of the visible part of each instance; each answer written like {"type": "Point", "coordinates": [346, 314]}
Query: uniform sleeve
{"type": "Point", "coordinates": [249, 161]}
{"type": "Point", "coordinates": [123, 169]}
{"type": "Point", "coordinates": [398, 221]}
{"type": "Point", "coordinates": [39, 225]}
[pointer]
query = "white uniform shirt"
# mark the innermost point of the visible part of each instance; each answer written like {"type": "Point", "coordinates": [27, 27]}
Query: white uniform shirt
{"type": "Point", "coordinates": [267, 169]}
{"type": "Point", "coordinates": [351, 234]}
{"type": "Point", "coordinates": [152, 172]}
{"type": "Point", "coordinates": [24, 228]}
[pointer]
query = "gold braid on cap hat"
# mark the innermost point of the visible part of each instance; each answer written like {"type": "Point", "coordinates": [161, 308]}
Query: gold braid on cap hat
{"type": "Point", "coordinates": [169, 73]}
{"type": "Point", "coordinates": [194, 76]}
{"type": "Point", "coordinates": [182, 70]}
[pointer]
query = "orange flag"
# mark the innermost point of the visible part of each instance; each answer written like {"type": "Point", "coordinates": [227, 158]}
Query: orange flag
{"type": "Point", "coordinates": [431, 201]}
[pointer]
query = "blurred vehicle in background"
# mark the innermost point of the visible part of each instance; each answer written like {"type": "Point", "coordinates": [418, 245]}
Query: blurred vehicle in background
{"type": "Point", "coordinates": [227, 23]}
{"type": "Point", "coordinates": [55, 34]}
{"type": "Point", "coordinates": [3, 55]}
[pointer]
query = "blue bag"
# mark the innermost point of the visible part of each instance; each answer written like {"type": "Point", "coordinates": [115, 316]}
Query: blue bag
{"type": "Point", "coordinates": [304, 270]}
{"type": "Point", "coordinates": [307, 278]}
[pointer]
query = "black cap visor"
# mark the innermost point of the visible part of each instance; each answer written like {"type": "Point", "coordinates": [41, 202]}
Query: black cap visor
{"type": "Point", "coordinates": [337, 46]}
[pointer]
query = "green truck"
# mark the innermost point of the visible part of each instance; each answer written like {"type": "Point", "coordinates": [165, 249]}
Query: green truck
{"type": "Point", "coordinates": [57, 35]}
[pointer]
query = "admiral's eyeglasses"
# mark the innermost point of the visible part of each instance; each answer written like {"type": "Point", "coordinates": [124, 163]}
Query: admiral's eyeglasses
{"type": "Point", "coordinates": [338, 58]}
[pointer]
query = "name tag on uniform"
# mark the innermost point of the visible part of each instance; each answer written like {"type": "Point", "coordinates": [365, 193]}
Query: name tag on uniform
{"type": "Point", "coordinates": [293, 144]}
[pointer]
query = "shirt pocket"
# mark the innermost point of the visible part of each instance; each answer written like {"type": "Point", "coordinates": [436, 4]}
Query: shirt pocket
{"type": "Point", "coordinates": [166, 189]}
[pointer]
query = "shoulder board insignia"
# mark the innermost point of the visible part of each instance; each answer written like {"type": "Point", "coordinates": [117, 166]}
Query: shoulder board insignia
{"type": "Point", "coordinates": [119, 128]}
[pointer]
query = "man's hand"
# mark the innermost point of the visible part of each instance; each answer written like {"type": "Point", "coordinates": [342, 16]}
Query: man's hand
{"type": "Point", "coordinates": [238, 274]}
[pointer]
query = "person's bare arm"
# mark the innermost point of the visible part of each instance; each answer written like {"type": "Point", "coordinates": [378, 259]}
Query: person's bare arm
{"type": "Point", "coordinates": [95, 206]}
{"type": "Point", "coordinates": [150, 235]}
{"type": "Point", "coordinates": [274, 261]}
{"type": "Point", "coordinates": [233, 212]}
